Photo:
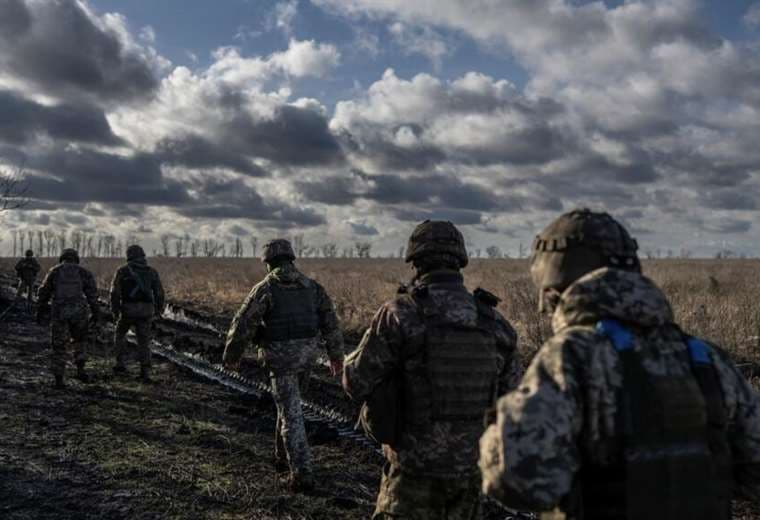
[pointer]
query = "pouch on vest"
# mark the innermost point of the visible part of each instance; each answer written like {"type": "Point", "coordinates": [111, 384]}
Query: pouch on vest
{"type": "Point", "coordinates": [293, 314]}
{"type": "Point", "coordinates": [380, 414]}
{"type": "Point", "coordinates": [667, 466]}
{"type": "Point", "coordinates": [461, 364]}
{"type": "Point", "coordinates": [68, 285]}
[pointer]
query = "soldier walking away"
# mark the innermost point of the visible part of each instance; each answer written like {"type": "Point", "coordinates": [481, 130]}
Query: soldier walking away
{"type": "Point", "coordinates": [137, 297]}
{"type": "Point", "coordinates": [287, 316]}
{"type": "Point", "coordinates": [442, 356]}
{"type": "Point", "coordinates": [621, 414]}
{"type": "Point", "coordinates": [74, 295]}
{"type": "Point", "coordinates": [27, 270]}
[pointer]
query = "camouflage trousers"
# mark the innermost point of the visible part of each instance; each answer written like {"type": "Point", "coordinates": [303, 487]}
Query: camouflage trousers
{"type": "Point", "coordinates": [25, 285]}
{"type": "Point", "coordinates": [64, 332]}
{"type": "Point", "coordinates": [290, 430]}
{"type": "Point", "coordinates": [416, 497]}
{"type": "Point", "coordinates": [143, 331]}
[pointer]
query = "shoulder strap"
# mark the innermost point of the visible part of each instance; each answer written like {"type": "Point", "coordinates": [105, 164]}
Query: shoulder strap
{"type": "Point", "coordinates": [139, 284]}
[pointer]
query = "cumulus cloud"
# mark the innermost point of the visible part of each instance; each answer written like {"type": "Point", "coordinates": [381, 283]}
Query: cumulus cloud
{"type": "Point", "coordinates": [420, 40]}
{"type": "Point", "coordinates": [62, 50]}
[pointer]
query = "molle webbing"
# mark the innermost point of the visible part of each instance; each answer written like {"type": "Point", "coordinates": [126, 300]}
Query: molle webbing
{"type": "Point", "coordinates": [293, 314]}
{"type": "Point", "coordinates": [462, 367]}
{"type": "Point", "coordinates": [668, 466]}
{"type": "Point", "coordinates": [68, 285]}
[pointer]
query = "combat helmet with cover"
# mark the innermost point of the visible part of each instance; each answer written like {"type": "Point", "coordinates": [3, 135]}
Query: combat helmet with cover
{"type": "Point", "coordinates": [134, 252]}
{"type": "Point", "coordinates": [276, 250]}
{"type": "Point", "coordinates": [29, 253]}
{"type": "Point", "coordinates": [69, 255]}
{"type": "Point", "coordinates": [436, 237]}
{"type": "Point", "coordinates": [577, 243]}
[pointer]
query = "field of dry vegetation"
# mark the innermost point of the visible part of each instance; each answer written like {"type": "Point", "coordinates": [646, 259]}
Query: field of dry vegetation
{"type": "Point", "coordinates": [714, 299]}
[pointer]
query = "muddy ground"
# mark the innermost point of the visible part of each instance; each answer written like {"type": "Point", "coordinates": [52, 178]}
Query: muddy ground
{"type": "Point", "coordinates": [180, 448]}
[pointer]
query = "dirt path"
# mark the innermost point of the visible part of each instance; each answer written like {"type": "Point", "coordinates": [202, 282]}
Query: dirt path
{"type": "Point", "coordinates": [181, 448]}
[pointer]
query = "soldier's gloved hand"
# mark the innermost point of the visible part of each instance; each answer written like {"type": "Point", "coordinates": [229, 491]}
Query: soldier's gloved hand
{"type": "Point", "coordinates": [336, 367]}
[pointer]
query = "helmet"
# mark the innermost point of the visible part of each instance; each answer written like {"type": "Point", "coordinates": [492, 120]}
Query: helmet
{"type": "Point", "coordinates": [277, 249]}
{"type": "Point", "coordinates": [134, 252]}
{"type": "Point", "coordinates": [577, 243]}
{"type": "Point", "coordinates": [29, 253]}
{"type": "Point", "coordinates": [69, 255]}
{"type": "Point", "coordinates": [436, 236]}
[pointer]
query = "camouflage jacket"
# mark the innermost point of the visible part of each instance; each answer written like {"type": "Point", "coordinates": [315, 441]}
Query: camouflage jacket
{"type": "Point", "coordinates": [564, 411]}
{"type": "Point", "coordinates": [290, 356]}
{"type": "Point", "coordinates": [396, 332]}
{"type": "Point", "coordinates": [149, 280]}
{"type": "Point", "coordinates": [28, 268]}
{"type": "Point", "coordinates": [89, 290]}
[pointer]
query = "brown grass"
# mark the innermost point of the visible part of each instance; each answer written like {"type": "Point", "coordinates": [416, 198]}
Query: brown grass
{"type": "Point", "coordinates": [712, 299]}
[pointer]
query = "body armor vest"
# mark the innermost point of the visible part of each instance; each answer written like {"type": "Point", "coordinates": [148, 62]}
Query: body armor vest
{"type": "Point", "coordinates": [136, 287]}
{"type": "Point", "coordinates": [292, 315]}
{"type": "Point", "coordinates": [674, 458]}
{"type": "Point", "coordinates": [68, 285]}
{"type": "Point", "coordinates": [460, 365]}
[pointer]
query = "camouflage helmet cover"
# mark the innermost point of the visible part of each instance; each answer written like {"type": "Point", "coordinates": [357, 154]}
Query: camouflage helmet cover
{"type": "Point", "coordinates": [579, 242]}
{"type": "Point", "coordinates": [134, 252]}
{"type": "Point", "coordinates": [278, 248]}
{"type": "Point", "coordinates": [436, 236]}
{"type": "Point", "coordinates": [29, 253]}
{"type": "Point", "coordinates": [69, 255]}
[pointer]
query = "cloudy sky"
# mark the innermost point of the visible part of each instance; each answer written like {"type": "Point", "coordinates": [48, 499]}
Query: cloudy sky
{"type": "Point", "coordinates": [351, 120]}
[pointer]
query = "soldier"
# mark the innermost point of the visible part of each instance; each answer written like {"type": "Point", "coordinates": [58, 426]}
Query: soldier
{"type": "Point", "coordinates": [72, 289]}
{"type": "Point", "coordinates": [27, 270]}
{"type": "Point", "coordinates": [621, 414]}
{"type": "Point", "coordinates": [137, 297]}
{"type": "Point", "coordinates": [287, 315]}
{"type": "Point", "coordinates": [451, 354]}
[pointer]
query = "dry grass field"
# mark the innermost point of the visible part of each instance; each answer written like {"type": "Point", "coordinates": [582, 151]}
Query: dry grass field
{"type": "Point", "coordinates": [714, 299]}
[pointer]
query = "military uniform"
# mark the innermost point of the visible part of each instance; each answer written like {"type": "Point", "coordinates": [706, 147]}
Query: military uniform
{"type": "Point", "coordinates": [74, 295]}
{"type": "Point", "coordinates": [137, 296]}
{"type": "Point", "coordinates": [621, 414]}
{"type": "Point", "coordinates": [27, 270]}
{"type": "Point", "coordinates": [289, 317]}
{"type": "Point", "coordinates": [453, 354]}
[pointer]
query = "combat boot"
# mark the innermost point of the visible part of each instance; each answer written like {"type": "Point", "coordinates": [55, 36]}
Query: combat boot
{"type": "Point", "coordinates": [59, 384]}
{"type": "Point", "coordinates": [301, 482]}
{"type": "Point", "coordinates": [82, 375]}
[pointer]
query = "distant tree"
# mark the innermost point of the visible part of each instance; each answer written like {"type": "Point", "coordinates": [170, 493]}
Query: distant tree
{"type": "Point", "coordinates": [401, 251]}
{"type": "Point", "coordinates": [330, 250]}
{"type": "Point", "coordinates": [165, 239]}
{"type": "Point", "coordinates": [254, 242]}
{"type": "Point", "coordinates": [61, 241]}
{"type": "Point", "coordinates": [13, 189]}
{"type": "Point", "coordinates": [363, 249]}
{"type": "Point", "coordinates": [478, 253]}
{"type": "Point", "coordinates": [179, 247]}
{"type": "Point", "coordinates": [493, 252]}
{"type": "Point", "coordinates": [299, 245]}
{"type": "Point", "coordinates": [237, 248]}
{"type": "Point", "coordinates": [14, 234]}
{"type": "Point", "coordinates": [522, 251]}
{"type": "Point", "coordinates": [195, 247]}
{"type": "Point", "coordinates": [49, 242]}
